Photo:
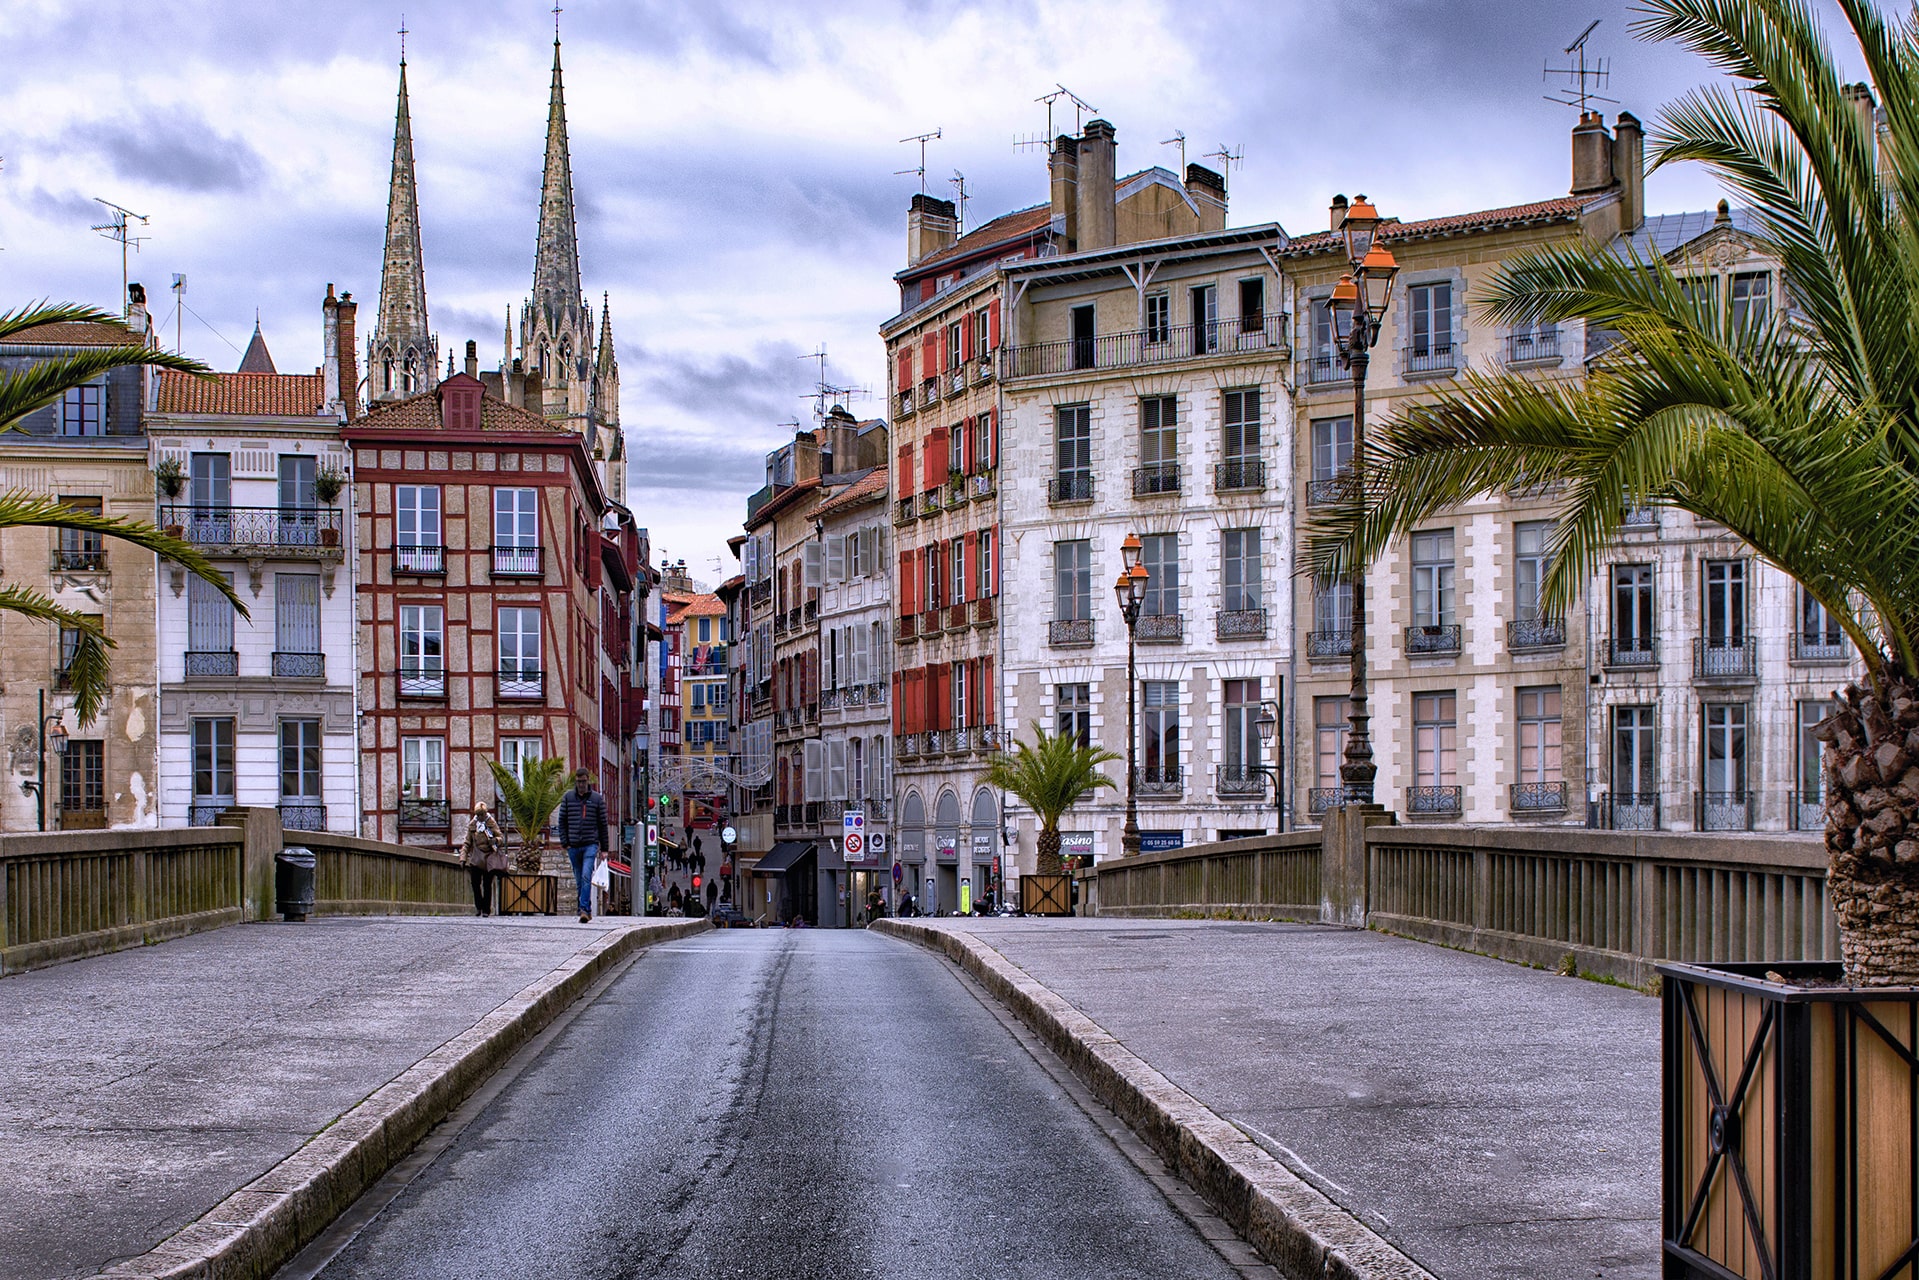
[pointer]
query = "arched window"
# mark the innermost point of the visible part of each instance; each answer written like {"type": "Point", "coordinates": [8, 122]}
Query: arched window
{"type": "Point", "coordinates": [410, 371]}
{"type": "Point", "coordinates": [386, 364]}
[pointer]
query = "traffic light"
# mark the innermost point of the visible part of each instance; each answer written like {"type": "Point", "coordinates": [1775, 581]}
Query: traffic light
{"type": "Point", "coordinates": [696, 883]}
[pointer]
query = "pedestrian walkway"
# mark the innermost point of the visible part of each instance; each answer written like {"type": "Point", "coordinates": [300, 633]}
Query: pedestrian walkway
{"type": "Point", "coordinates": [1494, 1122]}
{"type": "Point", "coordinates": [139, 1089]}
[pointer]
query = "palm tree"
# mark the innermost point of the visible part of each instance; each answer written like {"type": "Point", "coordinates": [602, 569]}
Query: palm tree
{"type": "Point", "coordinates": [1800, 434]}
{"type": "Point", "coordinates": [1049, 777]}
{"type": "Point", "coordinates": [529, 798]}
{"type": "Point", "coordinates": [39, 384]}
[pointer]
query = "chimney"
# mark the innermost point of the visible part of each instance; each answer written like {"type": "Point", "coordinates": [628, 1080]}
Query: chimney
{"type": "Point", "coordinates": [1338, 218]}
{"type": "Point", "coordinates": [930, 227]}
{"type": "Point", "coordinates": [1063, 164]}
{"type": "Point", "coordinates": [1592, 155]}
{"type": "Point", "coordinates": [1208, 191]}
{"type": "Point", "coordinates": [1629, 168]}
{"type": "Point", "coordinates": [137, 319]}
{"type": "Point", "coordinates": [349, 362]}
{"type": "Point", "coordinates": [330, 352]}
{"type": "Point", "coordinates": [472, 358]}
{"type": "Point", "coordinates": [1097, 212]}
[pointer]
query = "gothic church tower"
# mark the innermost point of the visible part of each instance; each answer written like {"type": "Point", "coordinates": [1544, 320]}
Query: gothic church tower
{"type": "Point", "coordinates": [402, 356]}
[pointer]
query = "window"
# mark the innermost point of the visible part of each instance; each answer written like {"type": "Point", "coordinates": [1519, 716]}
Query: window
{"type": "Point", "coordinates": [1239, 569]}
{"type": "Point", "coordinates": [1811, 774]}
{"type": "Point", "coordinates": [1817, 634]}
{"type": "Point", "coordinates": [986, 562]}
{"type": "Point", "coordinates": [1331, 721]}
{"type": "Point", "coordinates": [1332, 458]}
{"type": "Point", "coordinates": [706, 631]}
{"type": "Point", "coordinates": [953, 345]}
{"type": "Point", "coordinates": [1205, 303]}
{"type": "Point", "coordinates": [1632, 611]}
{"type": "Point", "coordinates": [1725, 751]}
{"type": "Point", "coordinates": [1725, 604]}
{"type": "Point", "coordinates": [1432, 319]}
{"type": "Point", "coordinates": [209, 620]}
{"type": "Point", "coordinates": [1252, 305]}
{"type": "Point", "coordinates": [1435, 740]}
{"type": "Point", "coordinates": [1239, 424]}
{"type": "Point", "coordinates": [296, 625]}
{"type": "Point", "coordinates": [516, 754]}
{"type": "Point", "coordinates": [1634, 769]}
{"type": "Point", "coordinates": [416, 515]}
{"type": "Point", "coordinates": [1159, 317]}
{"type": "Point", "coordinates": [212, 766]}
{"type": "Point", "coordinates": [1073, 711]}
{"type": "Point", "coordinates": [516, 518]}
{"type": "Point", "coordinates": [1333, 606]}
{"type": "Point", "coordinates": [423, 769]}
{"type": "Point", "coordinates": [300, 760]}
{"type": "Point", "coordinates": [1159, 703]}
{"type": "Point", "coordinates": [960, 700]}
{"type": "Point", "coordinates": [210, 482]}
{"type": "Point", "coordinates": [1701, 291]}
{"type": "Point", "coordinates": [1433, 578]}
{"type": "Point", "coordinates": [83, 410]}
{"type": "Point", "coordinates": [1751, 299]}
{"type": "Point", "coordinates": [1072, 580]}
{"type": "Point", "coordinates": [81, 548]}
{"type": "Point", "coordinates": [1158, 431]}
{"type": "Point", "coordinates": [956, 558]}
{"type": "Point", "coordinates": [1539, 734]}
{"type": "Point", "coordinates": [1325, 351]}
{"type": "Point", "coordinates": [1159, 552]}
{"type": "Point", "coordinates": [519, 640]}
{"type": "Point", "coordinates": [69, 647]}
{"type": "Point", "coordinates": [422, 650]}
{"type": "Point", "coordinates": [83, 784]}
{"type": "Point", "coordinates": [1240, 700]}
{"type": "Point", "coordinates": [1530, 563]}
{"type": "Point", "coordinates": [299, 481]}
{"type": "Point", "coordinates": [1073, 451]}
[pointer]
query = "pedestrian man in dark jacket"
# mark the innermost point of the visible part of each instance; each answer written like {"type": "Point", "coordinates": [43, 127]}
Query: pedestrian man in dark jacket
{"type": "Point", "coordinates": [583, 834]}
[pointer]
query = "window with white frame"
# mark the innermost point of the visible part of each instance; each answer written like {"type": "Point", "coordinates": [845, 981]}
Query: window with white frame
{"type": "Point", "coordinates": [1239, 569]}
{"type": "Point", "coordinates": [1073, 712]}
{"type": "Point", "coordinates": [1159, 316]}
{"type": "Point", "coordinates": [423, 769]}
{"type": "Point", "coordinates": [1072, 580]}
{"type": "Point", "coordinates": [1159, 553]}
{"type": "Point", "coordinates": [1539, 734]}
{"type": "Point", "coordinates": [1432, 318]}
{"type": "Point", "coordinates": [1435, 739]}
{"type": "Point", "coordinates": [83, 410]}
{"type": "Point", "coordinates": [1531, 560]}
{"type": "Point", "coordinates": [1331, 720]}
{"type": "Point", "coordinates": [1433, 578]}
{"type": "Point", "coordinates": [1751, 299]}
{"type": "Point", "coordinates": [986, 563]}
{"type": "Point", "coordinates": [422, 643]}
{"type": "Point", "coordinates": [1332, 447]}
{"type": "Point", "coordinates": [416, 515]}
{"type": "Point", "coordinates": [1159, 706]}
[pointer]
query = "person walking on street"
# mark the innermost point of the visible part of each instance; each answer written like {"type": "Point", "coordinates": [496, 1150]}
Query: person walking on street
{"type": "Point", "coordinates": [484, 854]}
{"type": "Point", "coordinates": [583, 834]}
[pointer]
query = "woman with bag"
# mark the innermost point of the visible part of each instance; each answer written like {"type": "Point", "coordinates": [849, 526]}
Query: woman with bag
{"type": "Point", "coordinates": [485, 857]}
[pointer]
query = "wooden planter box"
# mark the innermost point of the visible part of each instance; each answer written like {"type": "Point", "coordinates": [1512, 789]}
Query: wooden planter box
{"type": "Point", "coordinates": [1046, 895]}
{"type": "Point", "coordinates": [529, 894]}
{"type": "Point", "coordinates": [1791, 1111]}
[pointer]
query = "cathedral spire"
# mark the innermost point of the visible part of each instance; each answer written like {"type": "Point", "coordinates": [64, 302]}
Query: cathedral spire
{"type": "Point", "coordinates": [401, 354]}
{"type": "Point", "coordinates": [556, 260]}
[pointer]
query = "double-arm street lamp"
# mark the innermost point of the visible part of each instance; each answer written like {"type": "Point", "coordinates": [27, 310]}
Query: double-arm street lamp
{"type": "Point", "coordinates": [1357, 309]}
{"type": "Point", "coordinates": [1268, 726]}
{"type": "Point", "coordinates": [53, 732]}
{"type": "Point", "coordinates": [1130, 588]}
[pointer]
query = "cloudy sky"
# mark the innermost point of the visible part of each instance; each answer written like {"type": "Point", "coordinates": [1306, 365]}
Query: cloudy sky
{"type": "Point", "coordinates": [734, 163]}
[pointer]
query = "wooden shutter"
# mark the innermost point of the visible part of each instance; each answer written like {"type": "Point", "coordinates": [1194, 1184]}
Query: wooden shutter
{"type": "Point", "coordinates": [906, 368]}
{"type": "Point", "coordinates": [906, 584]}
{"type": "Point", "coordinates": [989, 437]}
{"type": "Point", "coordinates": [938, 446]}
{"type": "Point", "coordinates": [966, 338]}
{"type": "Point", "coordinates": [989, 710]}
{"type": "Point", "coordinates": [945, 355]}
{"type": "Point", "coordinates": [945, 696]}
{"type": "Point", "coordinates": [929, 355]}
{"type": "Point", "coordinates": [899, 710]}
{"type": "Point", "coordinates": [972, 564]}
{"type": "Point", "coordinates": [998, 559]}
{"type": "Point", "coordinates": [908, 487]}
{"type": "Point", "coordinates": [992, 324]}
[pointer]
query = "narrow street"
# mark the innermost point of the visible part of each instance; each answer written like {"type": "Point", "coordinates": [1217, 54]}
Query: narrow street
{"type": "Point", "coordinates": [782, 1103]}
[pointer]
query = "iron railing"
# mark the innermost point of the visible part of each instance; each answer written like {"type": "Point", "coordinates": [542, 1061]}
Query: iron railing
{"type": "Point", "coordinates": [1632, 651]}
{"type": "Point", "coordinates": [1640, 518]}
{"type": "Point", "coordinates": [1320, 799]}
{"type": "Point", "coordinates": [1328, 491]}
{"type": "Point", "coordinates": [982, 485]}
{"type": "Point", "coordinates": [907, 403]}
{"type": "Point", "coordinates": [419, 561]}
{"type": "Point", "coordinates": [1239, 475]}
{"type": "Point", "coordinates": [212, 662]}
{"type": "Point", "coordinates": [425, 815]}
{"type": "Point", "coordinates": [1723, 810]}
{"type": "Point", "coordinates": [1155, 479]}
{"type": "Point", "coordinates": [1808, 811]}
{"type": "Point", "coordinates": [1536, 797]}
{"type": "Point", "coordinates": [299, 666]}
{"type": "Point", "coordinates": [518, 562]}
{"type": "Point", "coordinates": [313, 530]}
{"type": "Point", "coordinates": [1240, 624]}
{"type": "Point", "coordinates": [1524, 348]}
{"type": "Point", "coordinates": [1237, 782]}
{"type": "Point", "coordinates": [1161, 781]}
{"type": "Point", "coordinates": [904, 628]}
{"type": "Point", "coordinates": [1436, 357]}
{"type": "Point", "coordinates": [1818, 650]}
{"type": "Point", "coordinates": [519, 683]}
{"type": "Point", "coordinates": [983, 612]}
{"type": "Point", "coordinates": [1432, 641]}
{"type": "Point", "coordinates": [1631, 811]}
{"type": "Point", "coordinates": [204, 812]}
{"type": "Point", "coordinates": [905, 512]}
{"type": "Point", "coordinates": [1160, 345]}
{"type": "Point", "coordinates": [1724, 659]}
{"type": "Point", "coordinates": [1324, 370]}
{"type": "Point", "coordinates": [422, 680]}
{"type": "Point", "coordinates": [1069, 488]}
{"type": "Point", "coordinates": [1535, 633]}
{"type": "Point", "coordinates": [1069, 632]}
{"type": "Point", "coordinates": [79, 560]}
{"type": "Point", "coordinates": [1435, 800]}
{"type": "Point", "coordinates": [909, 746]}
{"type": "Point", "coordinates": [302, 815]}
{"type": "Point", "coordinates": [1159, 628]}
{"type": "Point", "coordinates": [1329, 644]}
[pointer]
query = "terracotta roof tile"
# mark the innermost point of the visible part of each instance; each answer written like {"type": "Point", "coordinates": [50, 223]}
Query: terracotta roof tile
{"type": "Point", "coordinates": [869, 486]}
{"type": "Point", "coordinates": [1559, 209]}
{"type": "Point", "coordinates": [699, 606]}
{"type": "Point", "coordinates": [75, 334]}
{"type": "Point", "coordinates": [422, 413]}
{"type": "Point", "coordinates": [255, 395]}
{"type": "Point", "coordinates": [1021, 222]}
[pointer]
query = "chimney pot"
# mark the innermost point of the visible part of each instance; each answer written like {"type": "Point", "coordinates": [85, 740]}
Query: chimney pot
{"type": "Point", "coordinates": [348, 361]}
{"type": "Point", "coordinates": [472, 358]}
{"type": "Point", "coordinates": [1592, 155]}
{"type": "Point", "coordinates": [1063, 168]}
{"type": "Point", "coordinates": [1097, 210]}
{"type": "Point", "coordinates": [1338, 213]}
{"type": "Point", "coordinates": [1629, 170]}
{"type": "Point", "coordinates": [931, 225]}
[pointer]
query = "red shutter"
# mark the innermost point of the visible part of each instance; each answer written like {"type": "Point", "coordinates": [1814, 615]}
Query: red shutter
{"type": "Point", "coordinates": [921, 584]}
{"type": "Point", "coordinates": [992, 323]}
{"type": "Point", "coordinates": [906, 583]}
{"type": "Point", "coordinates": [972, 564]}
{"type": "Point", "coordinates": [998, 560]}
{"type": "Point", "coordinates": [906, 368]}
{"type": "Point", "coordinates": [966, 338]}
{"type": "Point", "coordinates": [899, 713]}
{"type": "Point", "coordinates": [929, 478]}
{"type": "Point", "coordinates": [945, 696]}
{"type": "Point", "coordinates": [973, 693]}
{"type": "Point", "coordinates": [929, 355]}
{"type": "Point", "coordinates": [970, 455]}
{"type": "Point", "coordinates": [945, 355]}
{"type": "Point", "coordinates": [989, 710]}
{"type": "Point", "coordinates": [907, 488]}
{"type": "Point", "coordinates": [939, 446]}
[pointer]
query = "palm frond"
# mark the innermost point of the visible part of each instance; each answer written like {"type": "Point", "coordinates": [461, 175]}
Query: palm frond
{"type": "Point", "coordinates": [21, 507]}
{"type": "Point", "coordinates": [531, 795]}
{"type": "Point", "coordinates": [86, 669]}
{"type": "Point", "coordinates": [1050, 774]}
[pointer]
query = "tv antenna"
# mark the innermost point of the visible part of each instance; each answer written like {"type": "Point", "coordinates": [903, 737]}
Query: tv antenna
{"type": "Point", "coordinates": [958, 181]}
{"type": "Point", "coordinates": [179, 312]}
{"type": "Point", "coordinates": [115, 228]}
{"type": "Point", "coordinates": [1081, 107]}
{"type": "Point", "coordinates": [1178, 140]}
{"type": "Point", "coordinates": [1583, 76]}
{"type": "Point", "coordinates": [1227, 157]}
{"type": "Point", "coordinates": [922, 139]}
{"type": "Point", "coordinates": [825, 393]}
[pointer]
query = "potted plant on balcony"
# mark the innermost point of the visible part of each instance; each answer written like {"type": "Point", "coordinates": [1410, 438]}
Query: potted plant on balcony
{"type": "Point", "coordinates": [170, 478]}
{"type": "Point", "coordinates": [328, 485]}
{"type": "Point", "coordinates": [528, 797]}
{"type": "Point", "coordinates": [1789, 1087]}
{"type": "Point", "coordinates": [1050, 776]}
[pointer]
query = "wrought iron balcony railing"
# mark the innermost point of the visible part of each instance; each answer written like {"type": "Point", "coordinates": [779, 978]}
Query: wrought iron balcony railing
{"type": "Point", "coordinates": [1156, 479]}
{"type": "Point", "coordinates": [206, 811]}
{"type": "Point", "coordinates": [1161, 344]}
{"type": "Point", "coordinates": [1239, 475]}
{"type": "Point", "coordinates": [1159, 628]}
{"type": "Point", "coordinates": [1237, 782]}
{"type": "Point", "coordinates": [1320, 799]}
{"type": "Point", "coordinates": [299, 666]}
{"type": "Point", "coordinates": [1632, 811]}
{"type": "Point", "coordinates": [518, 562]}
{"type": "Point", "coordinates": [1523, 634]}
{"type": "Point", "coordinates": [983, 612]}
{"type": "Point", "coordinates": [1640, 652]}
{"type": "Point", "coordinates": [1723, 810]}
{"type": "Point", "coordinates": [1327, 491]}
{"type": "Point", "coordinates": [1329, 644]}
{"type": "Point", "coordinates": [1724, 659]}
{"type": "Point", "coordinates": [1526, 348]}
{"type": "Point", "coordinates": [1240, 624]}
{"type": "Point", "coordinates": [1808, 811]}
{"type": "Point", "coordinates": [80, 560]}
{"type": "Point", "coordinates": [905, 511]}
{"type": "Point", "coordinates": [1818, 650]}
{"type": "Point", "coordinates": [905, 628]}
{"type": "Point", "coordinates": [425, 815]}
{"type": "Point", "coordinates": [1433, 641]}
{"type": "Point", "coordinates": [1433, 357]}
{"type": "Point", "coordinates": [419, 561]}
{"type": "Point", "coordinates": [302, 815]}
{"type": "Point", "coordinates": [212, 662]}
{"type": "Point", "coordinates": [1435, 800]}
{"type": "Point", "coordinates": [422, 680]}
{"type": "Point", "coordinates": [281, 530]}
{"type": "Point", "coordinates": [1069, 488]}
{"type": "Point", "coordinates": [1536, 797]}
{"type": "Point", "coordinates": [1325, 370]}
{"type": "Point", "coordinates": [519, 682]}
{"type": "Point", "coordinates": [1640, 518]}
{"type": "Point", "coordinates": [1161, 781]}
{"type": "Point", "coordinates": [1064, 633]}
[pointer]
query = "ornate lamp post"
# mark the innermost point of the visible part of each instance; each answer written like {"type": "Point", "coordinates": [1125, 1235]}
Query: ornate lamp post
{"type": "Point", "coordinates": [53, 732]}
{"type": "Point", "coordinates": [1130, 589]}
{"type": "Point", "coordinates": [1358, 307]}
{"type": "Point", "coordinates": [1268, 726]}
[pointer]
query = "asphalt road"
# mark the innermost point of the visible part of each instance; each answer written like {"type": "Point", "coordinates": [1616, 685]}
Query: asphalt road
{"type": "Point", "coordinates": [782, 1103]}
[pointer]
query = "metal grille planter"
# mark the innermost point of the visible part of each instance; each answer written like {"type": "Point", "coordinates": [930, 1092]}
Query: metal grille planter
{"type": "Point", "coordinates": [1160, 628]}
{"type": "Point", "coordinates": [1070, 632]}
{"type": "Point", "coordinates": [299, 666]}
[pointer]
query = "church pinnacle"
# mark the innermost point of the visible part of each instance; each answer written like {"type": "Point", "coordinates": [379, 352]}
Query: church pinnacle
{"type": "Point", "coordinates": [402, 355]}
{"type": "Point", "coordinates": [556, 260]}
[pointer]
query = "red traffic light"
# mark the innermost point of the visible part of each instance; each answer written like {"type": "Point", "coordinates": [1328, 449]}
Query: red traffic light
{"type": "Point", "coordinates": [696, 882]}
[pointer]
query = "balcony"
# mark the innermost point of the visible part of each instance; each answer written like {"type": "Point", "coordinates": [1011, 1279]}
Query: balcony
{"type": "Point", "coordinates": [1156, 480]}
{"type": "Point", "coordinates": [1325, 371]}
{"type": "Point", "coordinates": [280, 531]}
{"type": "Point", "coordinates": [831, 699]}
{"type": "Point", "coordinates": [1241, 475]}
{"type": "Point", "coordinates": [1820, 651]}
{"type": "Point", "coordinates": [956, 618]}
{"type": "Point", "coordinates": [761, 593]}
{"type": "Point", "coordinates": [1061, 490]}
{"type": "Point", "coordinates": [1324, 645]}
{"type": "Point", "coordinates": [211, 662]}
{"type": "Point", "coordinates": [904, 512]}
{"type": "Point", "coordinates": [1165, 344]}
{"type": "Point", "coordinates": [1725, 661]}
{"type": "Point", "coordinates": [1160, 782]}
{"type": "Point", "coordinates": [80, 560]}
{"type": "Point", "coordinates": [1633, 653]}
{"type": "Point", "coordinates": [419, 561]}
{"type": "Point", "coordinates": [909, 746]}
{"type": "Point", "coordinates": [876, 694]}
{"type": "Point", "coordinates": [1159, 628]}
{"type": "Point", "coordinates": [1524, 635]}
{"type": "Point", "coordinates": [1240, 624]}
{"type": "Point", "coordinates": [984, 613]}
{"type": "Point", "coordinates": [422, 680]}
{"type": "Point", "coordinates": [1328, 491]}
{"type": "Point", "coordinates": [425, 815]}
{"type": "Point", "coordinates": [933, 742]}
{"type": "Point", "coordinates": [518, 562]}
{"type": "Point", "coordinates": [957, 493]}
{"type": "Point", "coordinates": [1435, 802]}
{"type": "Point", "coordinates": [1808, 812]}
{"type": "Point", "coordinates": [982, 485]}
{"type": "Point", "coordinates": [1236, 782]}
{"type": "Point", "coordinates": [904, 629]}
{"type": "Point", "coordinates": [299, 666]}
{"type": "Point", "coordinates": [519, 682]}
{"type": "Point", "coordinates": [810, 611]}
{"type": "Point", "coordinates": [1070, 633]}
{"type": "Point", "coordinates": [205, 811]}
{"type": "Point", "coordinates": [1723, 810]}
{"type": "Point", "coordinates": [1541, 347]}
{"type": "Point", "coordinates": [793, 619]}
{"type": "Point", "coordinates": [1639, 518]}
{"type": "Point", "coordinates": [907, 403]}
{"type": "Point", "coordinates": [1631, 811]}
{"type": "Point", "coordinates": [930, 391]}
{"type": "Point", "coordinates": [1431, 358]}
{"type": "Point", "coordinates": [1536, 797]}
{"type": "Point", "coordinates": [1320, 799]}
{"type": "Point", "coordinates": [930, 504]}
{"type": "Point", "coordinates": [1433, 641]}
{"type": "Point", "coordinates": [302, 815]}
{"type": "Point", "coordinates": [780, 624]}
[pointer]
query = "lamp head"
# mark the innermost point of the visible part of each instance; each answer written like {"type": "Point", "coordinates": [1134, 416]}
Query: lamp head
{"type": "Point", "coordinates": [1130, 551]}
{"type": "Point", "coordinates": [1137, 577]}
{"type": "Point", "coordinates": [57, 738]}
{"type": "Point", "coordinates": [1378, 272]}
{"type": "Point", "coordinates": [1361, 221]}
{"type": "Point", "coordinates": [1123, 589]}
{"type": "Point", "coordinates": [1341, 306]}
{"type": "Point", "coordinates": [1267, 724]}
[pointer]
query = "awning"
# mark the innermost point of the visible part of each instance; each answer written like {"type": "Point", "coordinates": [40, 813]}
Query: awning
{"type": "Point", "coordinates": [783, 856]}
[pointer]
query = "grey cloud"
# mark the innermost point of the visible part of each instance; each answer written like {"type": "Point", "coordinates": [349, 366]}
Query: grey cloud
{"type": "Point", "coordinates": [171, 147]}
{"type": "Point", "coordinates": [711, 463]}
{"type": "Point", "coordinates": [733, 390]}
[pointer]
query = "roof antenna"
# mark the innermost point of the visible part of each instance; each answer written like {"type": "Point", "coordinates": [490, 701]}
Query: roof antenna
{"type": "Point", "coordinates": [1178, 140]}
{"type": "Point", "coordinates": [1227, 159]}
{"type": "Point", "coordinates": [825, 393]}
{"type": "Point", "coordinates": [1031, 142]}
{"type": "Point", "coordinates": [179, 312]}
{"type": "Point", "coordinates": [958, 180]}
{"type": "Point", "coordinates": [115, 228]}
{"type": "Point", "coordinates": [1583, 77]}
{"type": "Point", "coordinates": [922, 139]}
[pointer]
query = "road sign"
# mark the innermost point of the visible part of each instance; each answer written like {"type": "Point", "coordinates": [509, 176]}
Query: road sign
{"type": "Point", "coordinates": [898, 875]}
{"type": "Point", "coordinates": [729, 835]}
{"type": "Point", "coordinates": [855, 846]}
{"type": "Point", "coordinates": [853, 834]}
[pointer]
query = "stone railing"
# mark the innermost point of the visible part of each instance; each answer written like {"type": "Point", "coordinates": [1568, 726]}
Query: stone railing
{"type": "Point", "coordinates": [64, 895]}
{"type": "Point", "coordinates": [1617, 902]}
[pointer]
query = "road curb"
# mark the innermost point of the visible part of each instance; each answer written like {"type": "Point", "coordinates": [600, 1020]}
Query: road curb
{"type": "Point", "coordinates": [1292, 1224]}
{"type": "Point", "coordinates": [257, 1228]}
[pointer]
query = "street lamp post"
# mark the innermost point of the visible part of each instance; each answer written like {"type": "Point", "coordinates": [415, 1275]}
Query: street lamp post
{"type": "Point", "coordinates": [1357, 309]}
{"type": "Point", "coordinates": [1130, 589]}
{"type": "Point", "coordinates": [1268, 726]}
{"type": "Point", "coordinates": [55, 736]}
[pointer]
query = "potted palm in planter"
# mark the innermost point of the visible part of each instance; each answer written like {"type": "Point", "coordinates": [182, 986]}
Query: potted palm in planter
{"type": "Point", "coordinates": [528, 798]}
{"type": "Point", "coordinates": [1050, 776]}
{"type": "Point", "coordinates": [327, 487]}
{"type": "Point", "coordinates": [170, 478]}
{"type": "Point", "coordinates": [1791, 1089]}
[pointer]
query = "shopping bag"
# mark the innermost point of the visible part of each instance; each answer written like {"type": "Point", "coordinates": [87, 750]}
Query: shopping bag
{"type": "Point", "coordinates": [602, 875]}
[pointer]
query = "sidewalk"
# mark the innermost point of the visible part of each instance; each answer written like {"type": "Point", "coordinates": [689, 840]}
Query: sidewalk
{"type": "Point", "coordinates": [139, 1089]}
{"type": "Point", "coordinates": [1493, 1122]}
